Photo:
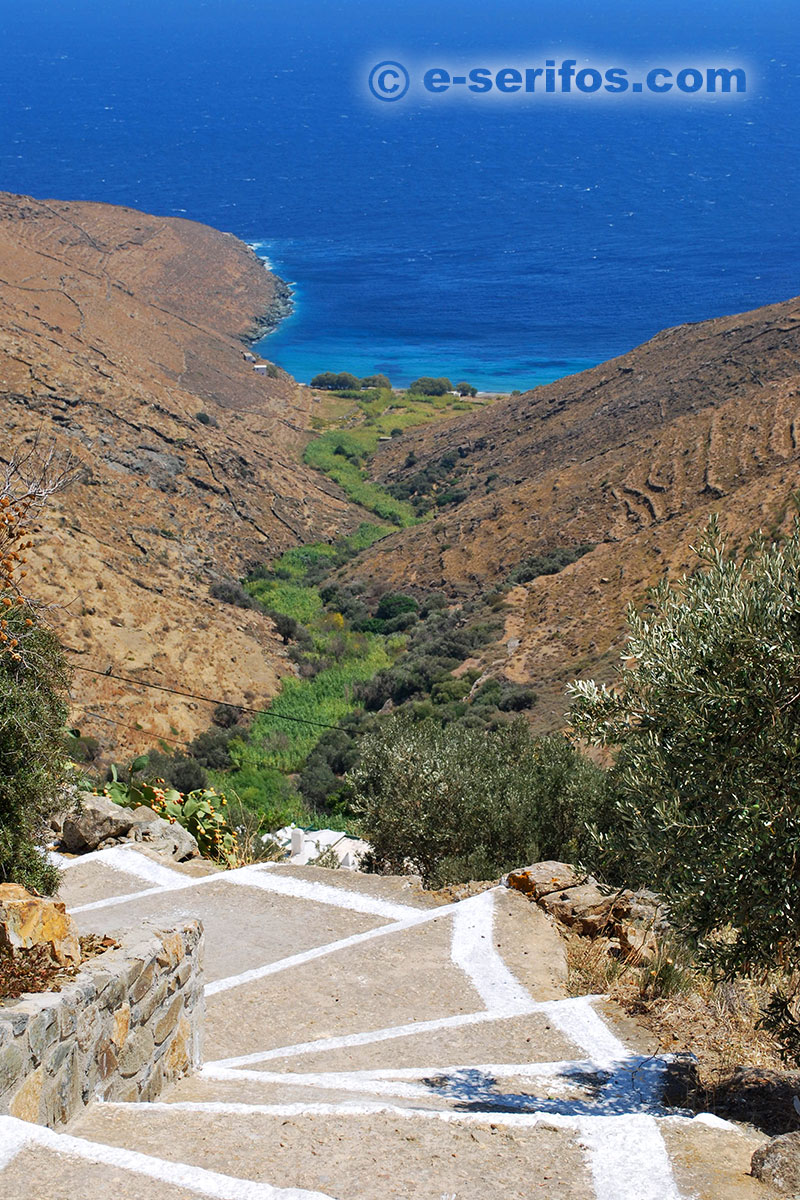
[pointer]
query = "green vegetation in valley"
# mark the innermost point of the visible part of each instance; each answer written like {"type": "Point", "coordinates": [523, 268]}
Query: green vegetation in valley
{"type": "Point", "coordinates": [342, 457]}
{"type": "Point", "coordinates": [359, 653]}
{"type": "Point", "coordinates": [358, 417]}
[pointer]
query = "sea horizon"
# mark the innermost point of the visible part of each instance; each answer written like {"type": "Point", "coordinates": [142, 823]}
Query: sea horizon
{"type": "Point", "coordinates": [508, 243]}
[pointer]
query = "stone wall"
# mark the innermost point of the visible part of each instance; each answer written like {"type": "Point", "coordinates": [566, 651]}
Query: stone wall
{"type": "Point", "coordinates": [127, 1024]}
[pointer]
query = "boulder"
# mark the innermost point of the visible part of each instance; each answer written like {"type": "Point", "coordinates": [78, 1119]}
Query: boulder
{"type": "Point", "coordinates": [99, 823]}
{"type": "Point", "coordinates": [543, 878]}
{"type": "Point", "coordinates": [97, 820]}
{"type": "Point", "coordinates": [587, 908]}
{"type": "Point", "coordinates": [167, 837]}
{"type": "Point", "coordinates": [642, 908]}
{"type": "Point", "coordinates": [636, 941]}
{"type": "Point", "coordinates": [635, 919]}
{"type": "Point", "coordinates": [777, 1163]}
{"type": "Point", "coordinates": [27, 921]}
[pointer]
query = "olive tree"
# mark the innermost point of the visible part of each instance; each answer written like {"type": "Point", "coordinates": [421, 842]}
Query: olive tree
{"type": "Point", "coordinates": [704, 719]}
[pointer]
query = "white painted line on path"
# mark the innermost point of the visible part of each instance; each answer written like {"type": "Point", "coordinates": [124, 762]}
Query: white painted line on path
{"type": "Point", "coordinates": [628, 1158]}
{"type": "Point", "coordinates": [473, 950]}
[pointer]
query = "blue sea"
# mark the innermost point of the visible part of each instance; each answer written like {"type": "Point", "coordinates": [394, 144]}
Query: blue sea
{"type": "Point", "coordinates": [504, 240]}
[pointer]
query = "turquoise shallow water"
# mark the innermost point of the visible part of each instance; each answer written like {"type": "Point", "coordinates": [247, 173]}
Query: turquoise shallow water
{"type": "Point", "coordinates": [509, 243]}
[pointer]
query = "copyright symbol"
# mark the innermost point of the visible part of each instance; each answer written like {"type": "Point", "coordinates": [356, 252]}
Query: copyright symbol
{"type": "Point", "coordinates": [389, 80]}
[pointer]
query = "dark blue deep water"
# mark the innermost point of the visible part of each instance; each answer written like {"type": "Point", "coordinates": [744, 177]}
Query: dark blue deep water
{"type": "Point", "coordinates": [502, 240]}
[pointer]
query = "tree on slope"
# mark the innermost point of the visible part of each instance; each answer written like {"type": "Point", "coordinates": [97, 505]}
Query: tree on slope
{"type": "Point", "coordinates": [33, 683]}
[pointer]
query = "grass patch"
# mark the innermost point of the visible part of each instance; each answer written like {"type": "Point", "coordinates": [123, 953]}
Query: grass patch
{"type": "Point", "coordinates": [285, 744]}
{"type": "Point", "coordinates": [340, 456]}
{"type": "Point", "coordinates": [292, 599]}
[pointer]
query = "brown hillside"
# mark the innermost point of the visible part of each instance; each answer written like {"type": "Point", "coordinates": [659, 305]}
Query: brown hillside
{"type": "Point", "coordinates": [116, 330]}
{"type": "Point", "coordinates": [633, 456]}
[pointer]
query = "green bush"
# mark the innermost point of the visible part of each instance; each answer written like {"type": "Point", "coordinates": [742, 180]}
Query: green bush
{"type": "Point", "coordinates": [230, 591]}
{"type": "Point", "coordinates": [455, 804]}
{"type": "Point", "coordinates": [706, 730]}
{"type": "Point", "coordinates": [394, 604]}
{"type": "Point", "coordinates": [33, 710]}
{"type": "Point", "coordinates": [225, 716]}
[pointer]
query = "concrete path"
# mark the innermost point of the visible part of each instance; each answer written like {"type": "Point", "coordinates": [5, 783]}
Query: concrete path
{"type": "Point", "coordinates": [361, 1043]}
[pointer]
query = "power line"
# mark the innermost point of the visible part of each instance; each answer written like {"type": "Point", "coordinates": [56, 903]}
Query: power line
{"type": "Point", "coordinates": [159, 737]}
{"type": "Point", "coordinates": [160, 687]}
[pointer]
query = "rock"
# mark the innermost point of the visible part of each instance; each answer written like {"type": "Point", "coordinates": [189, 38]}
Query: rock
{"type": "Point", "coordinates": [636, 941]}
{"type": "Point", "coordinates": [778, 1163]}
{"type": "Point", "coordinates": [543, 878]}
{"type": "Point", "coordinates": [27, 920]}
{"type": "Point", "coordinates": [636, 919]}
{"type": "Point", "coordinates": [97, 820]}
{"type": "Point", "coordinates": [645, 909]}
{"type": "Point", "coordinates": [99, 823]}
{"type": "Point", "coordinates": [168, 838]}
{"type": "Point", "coordinates": [587, 908]}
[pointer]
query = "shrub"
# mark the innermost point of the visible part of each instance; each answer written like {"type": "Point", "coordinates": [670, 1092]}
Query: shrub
{"type": "Point", "coordinates": [455, 804]}
{"type": "Point", "coordinates": [287, 628]}
{"type": "Point", "coordinates": [549, 563]}
{"type": "Point", "coordinates": [426, 385]}
{"type": "Point", "coordinates": [226, 715]}
{"type": "Point", "coordinates": [33, 710]}
{"type": "Point", "coordinates": [210, 750]}
{"type": "Point", "coordinates": [82, 748]}
{"type": "Point", "coordinates": [376, 381]}
{"type": "Point", "coordinates": [178, 770]}
{"type": "Point", "coordinates": [320, 781]}
{"type": "Point", "coordinates": [706, 730]}
{"type": "Point", "coordinates": [392, 604]}
{"type": "Point", "coordinates": [466, 389]}
{"type": "Point", "coordinates": [229, 591]}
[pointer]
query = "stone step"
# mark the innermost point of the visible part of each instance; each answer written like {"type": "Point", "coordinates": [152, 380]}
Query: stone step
{"type": "Point", "coordinates": [364, 1040]}
{"type": "Point", "coordinates": [355, 1150]}
{"type": "Point", "coordinates": [357, 1155]}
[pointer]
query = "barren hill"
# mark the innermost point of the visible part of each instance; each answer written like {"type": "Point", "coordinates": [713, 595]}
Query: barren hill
{"type": "Point", "coordinates": [632, 456]}
{"type": "Point", "coordinates": [122, 335]}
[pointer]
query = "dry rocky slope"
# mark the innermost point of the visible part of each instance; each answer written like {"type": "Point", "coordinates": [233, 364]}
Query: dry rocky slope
{"type": "Point", "coordinates": [632, 455]}
{"type": "Point", "coordinates": [116, 330]}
